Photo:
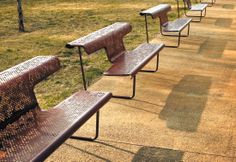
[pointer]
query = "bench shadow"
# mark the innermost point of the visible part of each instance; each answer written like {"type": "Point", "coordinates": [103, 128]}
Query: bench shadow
{"type": "Point", "coordinates": [87, 152]}
{"type": "Point", "coordinates": [224, 22]}
{"type": "Point", "coordinates": [155, 154]}
{"type": "Point", "coordinates": [228, 6]}
{"type": "Point", "coordinates": [186, 103]}
{"type": "Point", "coordinates": [212, 48]}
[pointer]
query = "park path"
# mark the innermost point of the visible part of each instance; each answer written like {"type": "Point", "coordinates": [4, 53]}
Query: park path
{"type": "Point", "coordinates": [184, 112]}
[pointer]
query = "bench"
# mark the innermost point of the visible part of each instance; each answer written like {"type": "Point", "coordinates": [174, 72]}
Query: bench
{"type": "Point", "coordinates": [200, 7]}
{"type": "Point", "coordinates": [176, 26]}
{"type": "Point", "coordinates": [124, 63]}
{"type": "Point", "coordinates": [28, 133]}
{"type": "Point", "coordinates": [209, 2]}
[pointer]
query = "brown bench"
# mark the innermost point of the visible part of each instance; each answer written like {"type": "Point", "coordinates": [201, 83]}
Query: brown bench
{"type": "Point", "coordinates": [28, 133]}
{"type": "Point", "coordinates": [166, 26]}
{"type": "Point", "coordinates": [209, 2]}
{"type": "Point", "coordinates": [124, 63]}
{"type": "Point", "coordinates": [200, 7]}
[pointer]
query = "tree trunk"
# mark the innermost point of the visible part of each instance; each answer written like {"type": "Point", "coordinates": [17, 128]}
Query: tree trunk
{"type": "Point", "coordinates": [20, 16]}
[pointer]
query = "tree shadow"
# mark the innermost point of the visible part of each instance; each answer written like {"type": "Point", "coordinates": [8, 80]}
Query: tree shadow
{"type": "Point", "coordinates": [186, 103]}
{"type": "Point", "coordinates": [156, 154]}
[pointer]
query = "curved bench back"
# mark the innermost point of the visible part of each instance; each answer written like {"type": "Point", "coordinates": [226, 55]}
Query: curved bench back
{"type": "Point", "coordinates": [110, 38]}
{"type": "Point", "coordinates": [188, 3]}
{"type": "Point", "coordinates": [158, 11]}
{"type": "Point", "coordinates": [17, 97]}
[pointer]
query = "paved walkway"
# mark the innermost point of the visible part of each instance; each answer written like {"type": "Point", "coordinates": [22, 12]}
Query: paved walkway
{"type": "Point", "coordinates": [185, 112]}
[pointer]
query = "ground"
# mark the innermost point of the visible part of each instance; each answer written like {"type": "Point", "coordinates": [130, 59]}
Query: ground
{"type": "Point", "coordinates": [184, 112]}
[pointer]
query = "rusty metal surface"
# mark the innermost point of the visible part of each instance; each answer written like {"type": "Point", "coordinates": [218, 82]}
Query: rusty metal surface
{"type": "Point", "coordinates": [132, 62]}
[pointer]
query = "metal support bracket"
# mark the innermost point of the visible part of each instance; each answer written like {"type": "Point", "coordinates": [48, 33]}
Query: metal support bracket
{"type": "Point", "coordinates": [90, 138]}
{"type": "Point", "coordinates": [156, 69]}
{"type": "Point", "coordinates": [133, 91]}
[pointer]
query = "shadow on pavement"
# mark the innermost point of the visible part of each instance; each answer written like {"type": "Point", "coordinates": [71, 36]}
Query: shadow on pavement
{"type": "Point", "coordinates": [186, 103]}
{"type": "Point", "coordinates": [156, 154]}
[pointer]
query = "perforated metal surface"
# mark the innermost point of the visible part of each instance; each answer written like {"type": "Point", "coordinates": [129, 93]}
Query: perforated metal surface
{"type": "Point", "coordinates": [17, 100]}
{"type": "Point", "coordinates": [26, 132]}
{"type": "Point", "coordinates": [110, 38]}
{"type": "Point", "coordinates": [157, 11]}
{"type": "Point", "coordinates": [16, 87]}
{"type": "Point", "coordinates": [198, 7]}
{"type": "Point", "coordinates": [50, 128]}
{"type": "Point", "coordinates": [131, 62]}
{"type": "Point", "coordinates": [176, 25]}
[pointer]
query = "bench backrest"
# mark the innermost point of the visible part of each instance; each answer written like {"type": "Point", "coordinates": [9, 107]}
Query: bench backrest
{"type": "Point", "coordinates": [110, 38]}
{"type": "Point", "coordinates": [188, 3]}
{"type": "Point", "coordinates": [17, 96]}
{"type": "Point", "coordinates": [158, 11]}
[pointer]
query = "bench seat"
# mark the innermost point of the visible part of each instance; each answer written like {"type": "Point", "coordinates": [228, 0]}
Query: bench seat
{"type": "Point", "coordinates": [131, 62]}
{"type": "Point", "coordinates": [198, 7]}
{"type": "Point", "coordinates": [51, 128]}
{"type": "Point", "coordinates": [176, 25]}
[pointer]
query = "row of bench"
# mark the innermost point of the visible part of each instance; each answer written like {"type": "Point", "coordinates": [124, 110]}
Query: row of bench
{"type": "Point", "coordinates": [28, 133]}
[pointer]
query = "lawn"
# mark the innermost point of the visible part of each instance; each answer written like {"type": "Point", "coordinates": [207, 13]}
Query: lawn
{"type": "Point", "coordinates": [50, 24]}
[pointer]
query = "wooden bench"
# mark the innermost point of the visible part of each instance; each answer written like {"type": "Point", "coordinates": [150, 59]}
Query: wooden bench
{"type": "Point", "coordinates": [200, 7]}
{"type": "Point", "coordinates": [166, 26]}
{"type": "Point", "coordinates": [28, 133]}
{"type": "Point", "coordinates": [124, 63]}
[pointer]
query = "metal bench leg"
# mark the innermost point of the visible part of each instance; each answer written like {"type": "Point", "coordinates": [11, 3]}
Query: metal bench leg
{"type": "Point", "coordinates": [82, 69]}
{"type": "Point", "coordinates": [90, 138]}
{"type": "Point", "coordinates": [133, 93]}
{"type": "Point", "coordinates": [205, 12]}
{"type": "Point", "coordinates": [179, 36]}
{"type": "Point", "coordinates": [157, 66]}
{"type": "Point", "coordinates": [200, 16]}
{"type": "Point", "coordinates": [146, 26]}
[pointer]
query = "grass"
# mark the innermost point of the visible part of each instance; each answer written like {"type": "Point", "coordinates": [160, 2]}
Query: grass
{"type": "Point", "coordinates": [50, 24]}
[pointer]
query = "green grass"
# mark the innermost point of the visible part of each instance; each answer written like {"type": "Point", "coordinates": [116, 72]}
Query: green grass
{"type": "Point", "coordinates": [50, 24]}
